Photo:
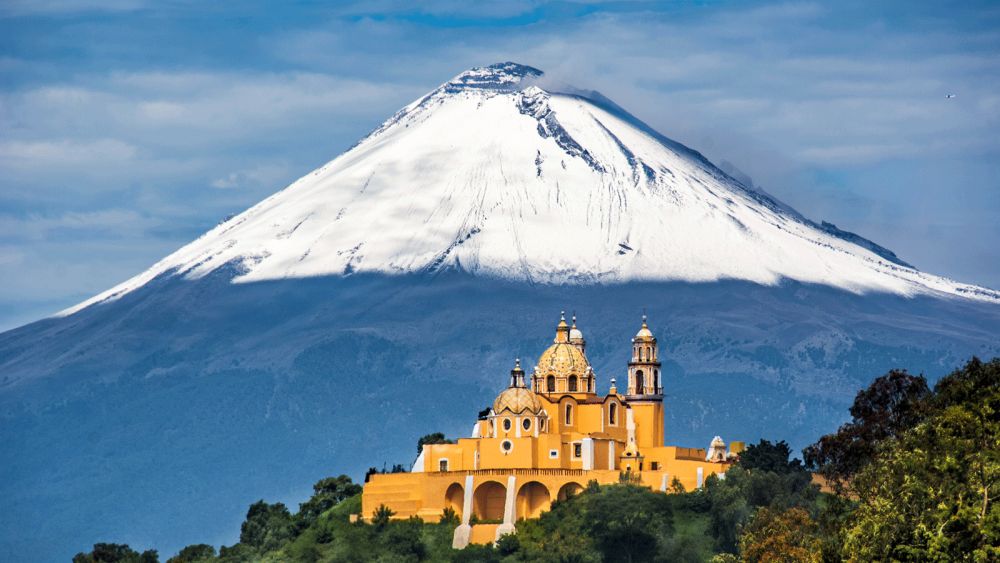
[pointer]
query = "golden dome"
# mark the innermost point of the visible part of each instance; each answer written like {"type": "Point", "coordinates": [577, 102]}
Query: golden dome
{"type": "Point", "coordinates": [517, 400]}
{"type": "Point", "coordinates": [562, 359]}
{"type": "Point", "coordinates": [644, 332]}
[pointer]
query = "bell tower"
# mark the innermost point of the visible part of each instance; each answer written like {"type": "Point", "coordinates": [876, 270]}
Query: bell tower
{"type": "Point", "coordinates": [644, 368]}
{"type": "Point", "coordinates": [644, 392]}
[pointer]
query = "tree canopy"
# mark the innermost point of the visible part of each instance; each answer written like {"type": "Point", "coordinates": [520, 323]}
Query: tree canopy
{"type": "Point", "coordinates": [918, 470]}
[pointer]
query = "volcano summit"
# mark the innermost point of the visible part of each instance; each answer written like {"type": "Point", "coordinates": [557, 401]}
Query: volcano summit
{"type": "Point", "coordinates": [495, 175]}
{"type": "Point", "coordinates": [306, 335]}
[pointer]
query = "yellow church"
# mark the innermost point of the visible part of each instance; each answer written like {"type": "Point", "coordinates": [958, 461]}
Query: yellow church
{"type": "Point", "coordinates": [546, 442]}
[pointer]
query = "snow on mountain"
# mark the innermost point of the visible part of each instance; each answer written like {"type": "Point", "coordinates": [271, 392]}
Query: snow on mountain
{"type": "Point", "coordinates": [495, 175]}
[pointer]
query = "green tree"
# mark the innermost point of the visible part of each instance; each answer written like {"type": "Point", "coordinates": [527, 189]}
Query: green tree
{"type": "Point", "coordinates": [194, 554]}
{"type": "Point", "coordinates": [768, 456]}
{"type": "Point", "coordinates": [774, 536]}
{"type": "Point", "coordinates": [433, 438]}
{"type": "Point", "coordinates": [402, 539]}
{"type": "Point", "coordinates": [267, 526]}
{"type": "Point", "coordinates": [676, 486]}
{"type": "Point", "coordinates": [728, 507]}
{"type": "Point", "coordinates": [620, 522]}
{"type": "Point", "coordinates": [381, 516]}
{"type": "Point", "coordinates": [929, 495]}
{"type": "Point", "coordinates": [891, 405]}
{"type": "Point", "coordinates": [449, 516]}
{"type": "Point", "coordinates": [327, 493]}
{"type": "Point", "coordinates": [508, 544]}
{"type": "Point", "coordinates": [116, 553]}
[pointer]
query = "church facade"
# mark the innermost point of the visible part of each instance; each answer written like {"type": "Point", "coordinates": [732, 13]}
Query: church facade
{"type": "Point", "coordinates": [546, 436]}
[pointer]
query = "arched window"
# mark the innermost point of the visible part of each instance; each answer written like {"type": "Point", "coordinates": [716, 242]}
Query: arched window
{"type": "Point", "coordinates": [649, 354]}
{"type": "Point", "coordinates": [572, 384]}
{"type": "Point", "coordinates": [613, 414]}
{"type": "Point", "coordinates": [569, 415]}
{"type": "Point", "coordinates": [640, 387]}
{"type": "Point", "coordinates": [656, 379]}
{"type": "Point", "coordinates": [550, 384]}
{"type": "Point", "coordinates": [641, 358]}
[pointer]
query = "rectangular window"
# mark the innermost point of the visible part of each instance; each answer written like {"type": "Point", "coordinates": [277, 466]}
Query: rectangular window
{"type": "Point", "coordinates": [443, 465]}
{"type": "Point", "coordinates": [553, 454]}
{"type": "Point", "coordinates": [654, 465]}
{"type": "Point", "coordinates": [577, 450]}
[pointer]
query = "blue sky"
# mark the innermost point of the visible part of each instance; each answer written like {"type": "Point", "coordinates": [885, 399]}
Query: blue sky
{"type": "Point", "coordinates": [128, 128]}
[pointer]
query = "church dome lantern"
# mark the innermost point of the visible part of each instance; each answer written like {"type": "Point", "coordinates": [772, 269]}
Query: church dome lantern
{"type": "Point", "coordinates": [517, 398]}
{"type": "Point", "coordinates": [563, 367]}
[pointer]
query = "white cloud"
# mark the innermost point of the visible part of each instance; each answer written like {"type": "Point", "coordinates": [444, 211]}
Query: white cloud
{"type": "Point", "coordinates": [105, 223]}
{"type": "Point", "coordinates": [31, 154]}
{"type": "Point", "coordinates": [262, 176]}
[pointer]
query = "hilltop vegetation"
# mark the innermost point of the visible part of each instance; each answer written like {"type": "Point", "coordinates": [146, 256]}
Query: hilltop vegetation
{"type": "Point", "coordinates": [915, 471]}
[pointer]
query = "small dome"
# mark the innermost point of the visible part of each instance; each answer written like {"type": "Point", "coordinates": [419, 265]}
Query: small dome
{"type": "Point", "coordinates": [517, 400]}
{"type": "Point", "coordinates": [717, 442]}
{"type": "Point", "coordinates": [575, 334]}
{"type": "Point", "coordinates": [644, 332]}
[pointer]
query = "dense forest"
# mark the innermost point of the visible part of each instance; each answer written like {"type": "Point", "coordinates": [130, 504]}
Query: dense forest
{"type": "Point", "coordinates": [913, 477]}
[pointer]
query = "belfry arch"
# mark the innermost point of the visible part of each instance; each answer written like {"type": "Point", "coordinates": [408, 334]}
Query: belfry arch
{"type": "Point", "coordinates": [532, 499]}
{"type": "Point", "coordinates": [488, 501]}
{"type": "Point", "coordinates": [454, 497]}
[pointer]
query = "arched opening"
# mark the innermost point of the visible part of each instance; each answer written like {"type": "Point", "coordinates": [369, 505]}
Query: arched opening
{"type": "Point", "coordinates": [454, 497]}
{"type": "Point", "coordinates": [641, 355]}
{"type": "Point", "coordinates": [550, 384]}
{"type": "Point", "coordinates": [569, 415]}
{"type": "Point", "coordinates": [488, 501]}
{"type": "Point", "coordinates": [640, 386]}
{"type": "Point", "coordinates": [532, 499]}
{"type": "Point", "coordinates": [613, 414]}
{"type": "Point", "coordinates": [649, 353]}
{"type": "Point", "coordinates": [656, 379]}
{"type": "Point", "coordinates": [569, 490]}
{"type": "Point", "coordinates": [572, 384]}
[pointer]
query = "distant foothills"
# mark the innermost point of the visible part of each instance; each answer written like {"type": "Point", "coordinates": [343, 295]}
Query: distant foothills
{"type": "Point", "coordinates": [913, 476]}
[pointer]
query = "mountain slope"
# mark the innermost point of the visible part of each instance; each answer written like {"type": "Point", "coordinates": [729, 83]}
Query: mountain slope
{"type": "Point", "coordinates": [492, 174]}
{"type": "Point", "coordinates": [384, 296]}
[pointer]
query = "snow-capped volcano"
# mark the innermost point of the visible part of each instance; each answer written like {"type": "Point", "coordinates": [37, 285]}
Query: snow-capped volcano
{"type": "Point", "coordinates": [184, 391]}
{"type": "Point", "coordinates": [496, 175]}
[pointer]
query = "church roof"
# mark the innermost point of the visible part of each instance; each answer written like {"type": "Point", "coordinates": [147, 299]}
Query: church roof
{"type": "Point", "coordinates": [517, 400]}
{"type": "Point", "coordinates": [562, 359]}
